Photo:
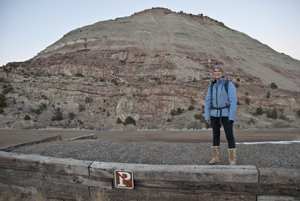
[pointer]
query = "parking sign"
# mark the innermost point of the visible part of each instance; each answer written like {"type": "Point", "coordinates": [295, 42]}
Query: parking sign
{"type": "Point", "coordinates": [124, 179]}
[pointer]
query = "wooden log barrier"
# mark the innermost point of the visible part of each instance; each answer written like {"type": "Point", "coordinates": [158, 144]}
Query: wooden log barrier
{"type": "Point", "coordinates": [16, 146]}
{"type": "Point", "coordinates": [69, 179]}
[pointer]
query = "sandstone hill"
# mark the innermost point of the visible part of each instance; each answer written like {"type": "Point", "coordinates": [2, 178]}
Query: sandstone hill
{"type": "Point", "coordinates": [154, 66]}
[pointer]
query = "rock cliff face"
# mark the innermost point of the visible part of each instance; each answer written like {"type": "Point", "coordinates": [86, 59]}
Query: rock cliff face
{"type": "Point", "coordinates": [147, 66]}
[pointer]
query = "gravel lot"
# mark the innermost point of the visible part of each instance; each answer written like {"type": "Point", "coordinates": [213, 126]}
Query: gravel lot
{"type": "Point", "coordinates": [265, 155]}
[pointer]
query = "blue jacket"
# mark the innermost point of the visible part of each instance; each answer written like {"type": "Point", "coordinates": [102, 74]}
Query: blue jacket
{"type": "Point", "coordinates": [219, 99]}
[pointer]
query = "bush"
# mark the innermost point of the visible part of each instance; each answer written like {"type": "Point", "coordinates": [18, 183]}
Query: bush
{"type": "Point", "coordinates": [247, 101]}
{"type": "Point", "coordinates": [114, 81]}
{"type": "Point", "coordinates": [268, 94]}
{"type": "Point", "coordinates": [58, 116]}
{"type": "Point", "coordinates": [43, 106]}
{"type": "Point", "coordinates": [200, 117]}
{"type": "Point", "coordinates": [298, 112]}
{"type": "Point", "coordinates": [273, 85]}
{"type": "Point", "coordinates": [88, 100]}
{"type": "Point", "coordinates": [250, 79]}
{"type": "Point", "coordinates": [81, 108]}
{"type": "Point", "coordinates": [2, 101]}
{"type": "Point", "coordinates": [236, 85]}
{"type": "Point", "coordinates": [79, 75]}
{"type": "Point", "coordinates": [38, 111]}
{"type": "Point", "coordinates": [259, 111]}
{"type": "Point", "coordinates": [129, 120]}
{"type": "Point", "coordinates": [191, 108]}
{"type": "Point", "coordinates": [173, 112]}
{"type": "Point", "coordinates": [193, 101]}
{"type": "Point", "coordinates": [7, 70]}
{"type": "Point", "coordinates": [1, 111]}
{"type": "Point", "coordinates": [7, 89]}
{"type": "Point", "coordinates": [119, 121]}
{"type": "Point", "coordinates": [71, 115]}
{"type": "Point", "coordinates": [180, 110]}
{"type": "Point", "coordinates": [251, 121]}
{"type": "Point", "coordinates": [27, 117]}
{"type": "Point", "coordinates": [273, 114]}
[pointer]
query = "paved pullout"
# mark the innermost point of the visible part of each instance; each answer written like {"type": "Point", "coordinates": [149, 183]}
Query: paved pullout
{"type": "Point", "coordinates": [11, 137]}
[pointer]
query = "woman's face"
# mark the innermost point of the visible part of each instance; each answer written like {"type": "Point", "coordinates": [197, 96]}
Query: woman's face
{"type": "Point", "coordinates": [218, 73]}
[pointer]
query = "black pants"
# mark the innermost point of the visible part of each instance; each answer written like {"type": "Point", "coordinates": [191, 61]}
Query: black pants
{"type": "Point", "coordinates": [215, 123]}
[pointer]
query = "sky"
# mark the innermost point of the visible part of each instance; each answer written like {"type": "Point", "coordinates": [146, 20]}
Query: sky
{"type": "Point", "coordinates": [29, 26]}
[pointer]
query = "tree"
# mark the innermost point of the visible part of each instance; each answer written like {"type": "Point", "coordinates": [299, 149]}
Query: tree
{"type": "Point", "coordinates": [259, 111]}
{"type": "Point", "coordinates": [273, 114]}
{"type": "Point", "coordinates": [129, 120]}
{"type": "Point", "coordinates": [58, 116]}
{"type": "Point", "coordinates": [173, 112]}
{"type": "Point", "coordinates": [88, 100]}
{"type": "Point", "coordinates": [268, 94]}
{"type": "Point", "coordinates": [2, 101]}
{"type": "Point", "coordinates": [247, 101]}
{"type": "Point", "coordinates": [119, 121]}
{"type": "Point", "coordinates": [71, 115]}
{"type": "Point", "coordinates": [191, 108]}
{"type": "Point", "coordinates": [273, 85]}
{"type": "Point", "coordinates": [179, 110]}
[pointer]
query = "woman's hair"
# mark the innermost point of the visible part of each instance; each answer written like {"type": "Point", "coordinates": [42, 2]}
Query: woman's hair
{"type": "Point", "coordinates": [218, 67]}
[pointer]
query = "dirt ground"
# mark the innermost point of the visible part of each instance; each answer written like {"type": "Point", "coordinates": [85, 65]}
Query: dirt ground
{"type": "Point", "coordinates": [12, 137]}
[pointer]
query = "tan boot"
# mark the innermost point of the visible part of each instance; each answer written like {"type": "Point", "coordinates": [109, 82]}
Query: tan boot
{"type": "Point", "coordinates": [232, 156]}
{"type": "Point", "coordinates": [216, 155]}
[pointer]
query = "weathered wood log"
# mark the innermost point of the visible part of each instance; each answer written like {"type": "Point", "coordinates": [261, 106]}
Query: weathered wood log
{"type": "Point", "coordinates": [16, 146]}
{"type": "Point", "coordinates": [42, 181]}
{"type": "Point", "coordinates": [279, 176]}
{"type": "Point", "coordinates": [278, 198]}
{"type": "Point", "coordinates": [168, 194]}
{"type": "Point", "coordinates": [84, 137]}
{"type": "Point", "coordinates": [68, 179]}
{"type": "Point", "coordinates": [43, 163]}
{"type": "Point", "coordinates": [200, 173]}
{"type": "Point", "coordinates": [29, 178]}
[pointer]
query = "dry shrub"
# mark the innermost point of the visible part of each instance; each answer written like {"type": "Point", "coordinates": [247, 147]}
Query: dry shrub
{"type": "Point", "coordinates": [79, 198]}
{"type": "Point", "coordinates": [39, 197]}
{"type": "Point", "coordinates": [281, 124]}
{"type": "Point", "coordinates": [100, 196]}
{"type": "Point", "coordinates": [9, 195]}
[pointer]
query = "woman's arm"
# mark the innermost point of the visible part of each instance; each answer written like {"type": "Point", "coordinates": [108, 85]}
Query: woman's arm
{"type": "Point", "coordinates": [232, 101]}
{"type": "Point", "coordinates": [208, 104]}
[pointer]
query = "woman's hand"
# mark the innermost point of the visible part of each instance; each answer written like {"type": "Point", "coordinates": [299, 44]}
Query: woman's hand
{"type": "Point", "coordinates": [208, 121]}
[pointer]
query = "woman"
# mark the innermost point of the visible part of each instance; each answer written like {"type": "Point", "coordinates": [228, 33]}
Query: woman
{"type": "Point", "coordinates": [220, 108]}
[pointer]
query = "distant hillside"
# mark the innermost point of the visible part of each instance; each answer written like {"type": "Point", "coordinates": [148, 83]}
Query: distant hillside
{"type": "Point", "coordinates": [154, 66]}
